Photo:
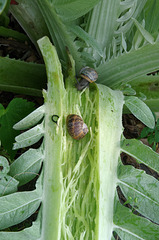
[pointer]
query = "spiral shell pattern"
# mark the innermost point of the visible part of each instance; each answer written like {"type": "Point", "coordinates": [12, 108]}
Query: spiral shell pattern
{"type": "Point", "coordinates": [76, 127]}
{"type": "Point", "coordinates": [89, 74]}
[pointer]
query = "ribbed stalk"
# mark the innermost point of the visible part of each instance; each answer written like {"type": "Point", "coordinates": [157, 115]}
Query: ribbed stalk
{"type": "Point", "coordinates": [54, 105]}
{"type": "Point", "coordinates": [110, 130]}
{"type": "Point", "coordinates": [79, 175]}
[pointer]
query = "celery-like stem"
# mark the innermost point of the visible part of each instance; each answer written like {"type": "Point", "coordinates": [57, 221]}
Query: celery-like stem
{"type": "Point", "coordinates": [79, 175]}
{"type": "Point", "coordinates": [52, 187]}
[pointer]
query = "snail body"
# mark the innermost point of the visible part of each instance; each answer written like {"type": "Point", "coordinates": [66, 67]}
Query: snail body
{"type": "Point", "coordinates": [88, 75]}
{"type": "Point", "coordinates": [76, 127]}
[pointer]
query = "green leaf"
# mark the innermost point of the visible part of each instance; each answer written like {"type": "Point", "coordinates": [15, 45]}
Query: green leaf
{"type": "Point", "coordinates": [2, 110]}
{"type": "Point", "coordinates": [154, 146]}
{"type": "Point", "coordinates": [27, 166]}
{"type": "Point", "coordinates": [7, 184]}
{"type": "Point", "coordinates": [142, 96]}
{"type": "Point", "coordinates": [125, 5]}
{"type": "Point", "coordinates": [31, 233]}
{"type": "Point", "coordinates": [131, 226]}
{"type": "Point", "coordinates": [141, 190]}
{"type": "Point", "coordinates": [88, 39]}
{"type": "Point", "coordinates": [3, 4]}
{"type": "Point", "coordinates": [30, 120]}
{"type": "Point", "coordinates": [137, 40]}
{"type": "Point", "coordinates": [143, 31]}
{"type": "Point", "coordinates": [101, 25]}
{"type": "Point", "coordinates": [17, 109]}
{"type": "Point", "coordinates": [4, 19]}
{"type": "Point", "coordinates": [4, 166]}
{"type": "Point", "coordinates": [156, 136]}
{"type": "Point", "coordinates": [145, 131]}
{"type": "Point", "coordinates": [129, 66]}
{"type": "Point", "coordinates": [22, 77]}
{"type": "Point", "coordinates": [151, 138]}
{"type": "Point", "coordinates": [128, 91]}
{"type": "Point", "coordinates": [151, 15]}
{"type": "Point", "coordinates": [30, 18]}
{"type": "Point", "coordinates": [148, 85]}
{"type": "Point", "coordinates": [142, 153]}
{"type": "Point", "coordinates": [129, 9]}
{"type": "Point", "coordinates": [6, 32]}
{"type": "Point", "coordinates": [29, 137]}
{"type": "Point", "coordinates": [60, 33]}
{"type": "Point", "coordinates": [157, 124]}
{"type": "Point", "coordinates": [140, 110]}
{"type": "Point", "coordinates": [16, 207]}
{"type": "Point", "coordinates": [71, 10]}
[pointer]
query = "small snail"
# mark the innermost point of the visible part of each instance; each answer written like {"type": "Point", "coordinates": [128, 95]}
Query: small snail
{"type": "Point", "coordinates": [76, 127]}
{"type": "Point", "coordinates": [88, 75]}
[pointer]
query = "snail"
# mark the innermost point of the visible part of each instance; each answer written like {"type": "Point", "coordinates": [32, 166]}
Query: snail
{"type": "Point", "coordinates": [76, 126]}
{"type": "Point", "coordinates": [88, 75]}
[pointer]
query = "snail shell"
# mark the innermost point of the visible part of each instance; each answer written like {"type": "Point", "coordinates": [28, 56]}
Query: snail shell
{"type": "Point", "coordinates": [76, 127]}
{"type": "Point", "coordinates": [89, 74]}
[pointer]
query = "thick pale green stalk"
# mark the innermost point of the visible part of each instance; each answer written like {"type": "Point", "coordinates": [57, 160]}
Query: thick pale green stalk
{"type": "Point", "coordinates": [110, 129]}
{"type": "Point", "coordinates": [53, 144]}
{"type": "Point", "coordinates": [79, 175]}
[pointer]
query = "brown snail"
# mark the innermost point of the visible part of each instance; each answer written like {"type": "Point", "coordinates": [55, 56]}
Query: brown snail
{"type": "Point", "coordinates": [88, 75]}
{"type": "Point", "coordinates": [76, 127]}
